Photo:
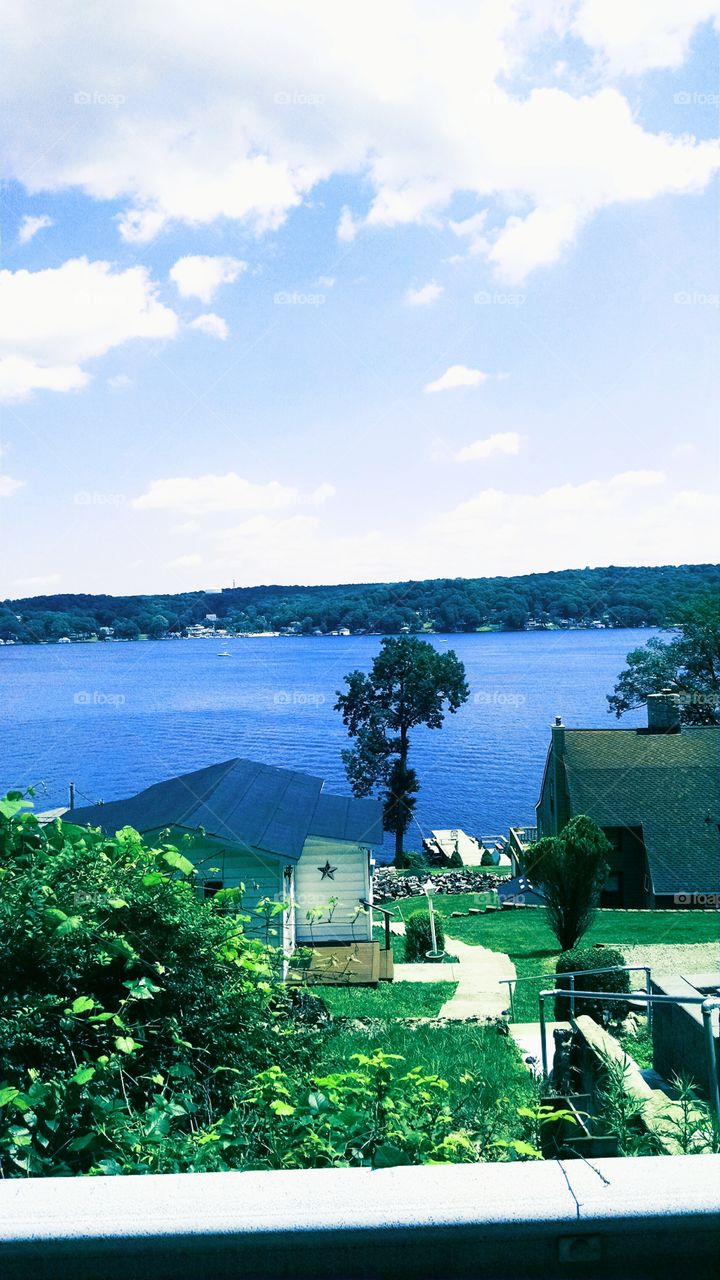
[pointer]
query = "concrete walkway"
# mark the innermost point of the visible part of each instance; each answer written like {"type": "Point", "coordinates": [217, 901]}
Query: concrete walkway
{"type": "Point", "coordinates": [478, 993]}
{"type": "Point", "coordinates": [478, 973]}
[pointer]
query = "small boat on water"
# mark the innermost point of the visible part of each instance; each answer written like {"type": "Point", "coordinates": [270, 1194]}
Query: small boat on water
{"type": "Point", "coordinates": [224, 653]}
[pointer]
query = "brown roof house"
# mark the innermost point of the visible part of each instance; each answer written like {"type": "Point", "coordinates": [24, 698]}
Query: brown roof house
{"type": "Point", "coordinates": [655, 792]}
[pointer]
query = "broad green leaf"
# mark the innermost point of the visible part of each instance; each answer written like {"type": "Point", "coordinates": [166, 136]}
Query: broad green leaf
{"type": "Point", "coordinates": [83, 1141]}
{"type": "Point", "coordinates": [126, 1044]}
{"type": "Point", "coordinates": [179, 862]}
{"type": "Point", "coordinates": [82, 1075]}
{"type": "Point", "coordinates": [117, 903]}
{"type": "Point", "coordinates": [82, 1004]}
{"type": "Point", "coordinates": [281, 1108]}
{"type": "Point", "coordinates": [153, 877]}
{"type": "Point", "coordinates": [7, 1094]}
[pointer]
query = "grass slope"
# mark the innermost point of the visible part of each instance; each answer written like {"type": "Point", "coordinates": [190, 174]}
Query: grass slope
{"type": "Point", "coordinates": [389, 1000]}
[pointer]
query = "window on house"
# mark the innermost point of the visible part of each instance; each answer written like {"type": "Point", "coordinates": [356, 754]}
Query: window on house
{"type": "Point", "coordinates": [211, 887]}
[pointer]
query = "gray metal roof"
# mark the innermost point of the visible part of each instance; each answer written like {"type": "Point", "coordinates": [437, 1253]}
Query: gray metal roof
{"type": "Point", "coordinates": [244, 802]}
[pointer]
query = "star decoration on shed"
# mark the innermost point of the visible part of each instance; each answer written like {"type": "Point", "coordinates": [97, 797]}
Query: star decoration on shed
{"type": "Point", "coordinates": [328, 871]}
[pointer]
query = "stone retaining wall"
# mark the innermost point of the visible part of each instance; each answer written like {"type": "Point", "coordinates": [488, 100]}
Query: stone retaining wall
{"type": "Point", "coordinates": [388, 885]}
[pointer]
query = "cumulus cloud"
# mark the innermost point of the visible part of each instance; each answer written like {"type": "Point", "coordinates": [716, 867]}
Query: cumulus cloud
{"type": "Point", "coordinates": [458, 375]}
{"type": "Point", "coordinates": [8, 485]}
{"type": "Point", "coordinates": [202, 494]}
{"type": "Point", "coordinates": [204, 135]}
{"type": "Point", "coordinates": [214, 326]}
{"type": "Point", "coordinates": [638, 479]}
{"type": "Point", "coordinates": [501, 442]}
{"type": "Point", "coordinates": [190, 561]}
{"type": "Point", "coordinates": [593, 523]}
{"type": "Point", "coordinates": [424, 296]}
{"type": "Point", "coordinates": [53, 321]}
{"type": "Point", "coordinates": [322, 494]}
{"type": "Point", "coordinates": [30, 226]}
{"type": "Point", "coordinates": [200, 275]}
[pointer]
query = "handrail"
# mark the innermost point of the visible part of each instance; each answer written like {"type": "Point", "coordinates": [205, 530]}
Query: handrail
{"type": "Point", "coordinates": [576, 973]}
{"type": "Point", "coordinates": [709, 1005]}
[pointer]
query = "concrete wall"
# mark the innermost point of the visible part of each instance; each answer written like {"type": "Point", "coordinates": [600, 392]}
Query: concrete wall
{"type": "Point", "coordinates": [678, 1033]}
{"type": "Point", "coordinates": [609, 1218]}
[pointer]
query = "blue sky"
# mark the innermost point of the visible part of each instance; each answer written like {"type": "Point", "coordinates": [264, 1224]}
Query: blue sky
{"type": "Point", "coordinates": [326, 293]}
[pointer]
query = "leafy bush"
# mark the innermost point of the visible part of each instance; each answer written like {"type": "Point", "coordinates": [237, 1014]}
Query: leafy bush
{"type": "Point", "coordinates": [585, 958]}
{"type": "Point", "coordinates": [487, 859]}
{"type": "Point", "coordinates": [410, 860]}
{"type": "Point", "coordinates": [418, 936]}
{"type": "Point", "coordinates": [129, 1006]}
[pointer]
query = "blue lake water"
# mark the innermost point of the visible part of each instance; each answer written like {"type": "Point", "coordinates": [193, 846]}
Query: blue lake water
{"type": "Point", "coordinates": [114, 718]}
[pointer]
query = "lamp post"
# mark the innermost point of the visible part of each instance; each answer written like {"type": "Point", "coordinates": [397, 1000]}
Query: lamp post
{"type": "Point", "coordinates": [436, 955]}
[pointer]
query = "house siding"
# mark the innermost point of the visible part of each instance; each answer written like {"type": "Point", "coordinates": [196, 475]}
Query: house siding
{"type": "Point", "coordinates": [350, 885]}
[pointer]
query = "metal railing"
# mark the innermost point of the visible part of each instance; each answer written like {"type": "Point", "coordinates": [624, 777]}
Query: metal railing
{"type": "Point", "coordinates": [576, 973]}
{"type": "Point", "coordinates": [708, 1006]}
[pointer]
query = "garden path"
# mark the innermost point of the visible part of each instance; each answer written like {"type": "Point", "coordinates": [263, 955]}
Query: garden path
{"type": "Point", "coordinates": [478, 974]}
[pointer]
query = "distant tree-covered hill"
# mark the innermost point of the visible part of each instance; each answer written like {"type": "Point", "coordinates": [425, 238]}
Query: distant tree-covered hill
{"type": "Point", "coordinates": [613, 596]}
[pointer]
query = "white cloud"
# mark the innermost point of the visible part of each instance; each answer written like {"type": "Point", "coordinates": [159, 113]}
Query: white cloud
{"type": "Point", "coordinates": [638, 479]}
{"type": "Point", "coordinates": [119, 381]}
{"type": "Point", "coordinates": [53, 321]}
{"type": "Point", "coordinates": [210, 324]}
{"type": "Point", "coordinates": [458, 375]}
{"type": "Point", "coordinates": [501, 442]}
{"type": "Point", "coordinates": [37, 581]}
{"type": "Point", "coordinates": [633, 38]}
{"type": "Point", "coordinates": [202, 494]}
{"type": "Point", "coordinates": [425, 295]}
{"type": "Point", "coordinates": [30, 226]}
{"type": "Point", "coordinates": [203, 134]}
{"type": "Point", "coordinates": [200, 275]}
{"type": "Point", "coordinates": [325, 282]}
{"type": "Point", "coordinates": [8, 485]}
{"type": "Point", "coordinates": [347, 227]}
{"type": "Point", "coordinates": [592, 523]}
{"type": "Point", "coordinates": [185, 562]}
{"type": "Point", "coordinates": [322, 494]}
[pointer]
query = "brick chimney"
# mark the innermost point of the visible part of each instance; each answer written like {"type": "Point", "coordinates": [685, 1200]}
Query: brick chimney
{"type": "Point", "coordinates": [663, 712]}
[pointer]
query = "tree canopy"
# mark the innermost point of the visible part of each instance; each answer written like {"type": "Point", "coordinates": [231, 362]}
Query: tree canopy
{"type": "Point", "coordinates": [688, 664]}
{"type": "Point", "coordinates": [409, 684]}
{"type": "Point", "coordinates": [572, 868]}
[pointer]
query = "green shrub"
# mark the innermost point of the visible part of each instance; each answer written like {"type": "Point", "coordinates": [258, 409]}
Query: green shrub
{"type": "Point", "coordinates": [418, 937]}
{"type": "Point", "coordinates": [487, 859]}
{"type": "Point", "coordinates": [585, 958]}
{"type": "Point", "coordinates": [409, 860]}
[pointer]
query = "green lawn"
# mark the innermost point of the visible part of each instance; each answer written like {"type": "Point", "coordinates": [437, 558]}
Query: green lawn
{"type": "Point", "coordinates": [388, 1000]}
{"type": "Point", "coordinates": [526, 937]}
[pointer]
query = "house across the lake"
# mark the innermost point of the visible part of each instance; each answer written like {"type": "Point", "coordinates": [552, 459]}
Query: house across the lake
{"type": "Point", "coordinates": [275, 831]}
{"type": "Point", "coordinates": [655, 792]}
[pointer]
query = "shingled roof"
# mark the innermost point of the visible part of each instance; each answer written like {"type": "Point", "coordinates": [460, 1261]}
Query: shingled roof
{"type": "Point", "coordinates": [244, 802]}
{"type": "Point", "coordinates": [668, 784]}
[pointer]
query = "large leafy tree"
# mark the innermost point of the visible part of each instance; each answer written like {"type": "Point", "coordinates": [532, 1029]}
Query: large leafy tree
{"type": "Point", "coordinates": [409, 684]}
{"type": "Point", "coordinates": [572, 868]}
{"type": "Point", "coordinates": [689, 664]}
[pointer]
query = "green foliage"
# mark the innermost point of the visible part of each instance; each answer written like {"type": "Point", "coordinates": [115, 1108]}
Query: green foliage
{"type": "Point", "coordinates": [571, 868]}
{"type": "Point", "coordinates": [122, 993]}
{"type": "Point", "coordinates": [410, 860]}
{"type": "Point", "coordinates": [627, 597]}
{"type": "Point", "coordinates": [688, 665]}
{"type": "Point", "coordinates": [487, 859]}
{"type": "Point", "coordinates": [418, 935]}
{"type": "Point", "coordinates": [585, 958]}
{"type": "Point", "coordinates": [409, 684]}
